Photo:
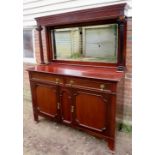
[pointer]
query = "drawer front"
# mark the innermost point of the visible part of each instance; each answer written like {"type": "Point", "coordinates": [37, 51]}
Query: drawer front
{"type": "Point", "coordinates": [91, 84]}
{"type": "Point", "coordinates": [49, 78]}
{"type": "Point", "coordinates": [76, 82]}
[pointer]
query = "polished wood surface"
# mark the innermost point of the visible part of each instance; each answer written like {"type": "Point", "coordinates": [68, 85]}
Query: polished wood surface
{"type": "Point", "coordinates": [45, 98]}
{"type": "Point", "coordinates": [87, 15]}
{"type": "Point", "coordinates": [88, 111]}
{"type": "Point", "coordinates": [82, 95]}
{"type": "Point", "coordinates": [102, 73]}
{"type": "Point", "coordinates": [65, 100]}
{"type": "Point", "coordinates": [113, 14]}
{"type": "Point", "coordinates": [39, 29]}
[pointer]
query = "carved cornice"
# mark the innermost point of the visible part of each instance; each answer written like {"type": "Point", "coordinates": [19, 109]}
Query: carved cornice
{"type": "Point", "coordinates": [87, 15]}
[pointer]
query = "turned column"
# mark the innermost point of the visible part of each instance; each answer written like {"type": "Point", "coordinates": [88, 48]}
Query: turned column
{"type": "Point", "coordinates": [39, 29]}
{"type": "Point", "coordinates": [121, 42]}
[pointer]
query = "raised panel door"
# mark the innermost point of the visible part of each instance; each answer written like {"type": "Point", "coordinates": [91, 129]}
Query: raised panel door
{"type": "Point", "coordinates": [46, 99]}
{"type": "Point", "coordinates": [90, 110]}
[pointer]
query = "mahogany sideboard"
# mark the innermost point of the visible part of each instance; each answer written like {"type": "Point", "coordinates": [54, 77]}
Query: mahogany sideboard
{"type": "Point", "coordinates": [81, 94]}
{"type": "Point", "coordinates": [81, 97]}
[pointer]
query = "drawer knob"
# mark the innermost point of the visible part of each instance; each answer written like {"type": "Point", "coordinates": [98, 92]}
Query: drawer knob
{"type": "Point", "coordinates": [71, 82]}
{"type": "Point", "coordinates": [57, 80]}
{"type": "Point", "coordinates": [102, 86]}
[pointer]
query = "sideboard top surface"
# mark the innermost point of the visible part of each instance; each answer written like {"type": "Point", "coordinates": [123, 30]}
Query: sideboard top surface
{"type": "Point", "coordinates": [100, 73]}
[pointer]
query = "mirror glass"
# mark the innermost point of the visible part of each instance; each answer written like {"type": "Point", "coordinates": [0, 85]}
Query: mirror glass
{"type": "Point", "coordinates": [89, 43]}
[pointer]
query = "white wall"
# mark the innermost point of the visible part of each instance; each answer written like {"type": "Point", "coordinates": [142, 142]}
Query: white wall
{"type": "Point", "coordinates": [38, 8]}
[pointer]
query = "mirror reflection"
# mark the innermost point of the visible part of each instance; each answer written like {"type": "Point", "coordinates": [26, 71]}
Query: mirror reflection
{"type": "Point", "coordinates": [90, 43]}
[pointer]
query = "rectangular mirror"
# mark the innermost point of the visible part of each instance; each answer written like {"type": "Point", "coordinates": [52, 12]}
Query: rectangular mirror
{"type": "Point", "coordinates": [89, 43]}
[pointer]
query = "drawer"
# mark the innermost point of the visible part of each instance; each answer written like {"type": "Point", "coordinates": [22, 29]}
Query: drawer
{"type": "Point", "coordinates": [91, 84]}
{"type": "Point", "coordinates": [45, 77]}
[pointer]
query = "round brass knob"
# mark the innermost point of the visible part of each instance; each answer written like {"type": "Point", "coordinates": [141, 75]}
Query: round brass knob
{"type": "Point", "coordinates": [102, 86]}
{"type": "Point", "coordinates": [57, 80]}
{"type": "Point", "coordinates": [71, 82]}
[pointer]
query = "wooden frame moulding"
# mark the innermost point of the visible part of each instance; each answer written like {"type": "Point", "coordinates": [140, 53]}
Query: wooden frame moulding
{"type": "Point", "coordinates": [102, 15]}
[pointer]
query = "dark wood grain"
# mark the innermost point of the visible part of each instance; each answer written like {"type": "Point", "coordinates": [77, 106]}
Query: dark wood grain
{"type": "Point", "coordinates": [39, 29]}
{"type": "Point", "coordinates": [102, 73]}
{"type": "Point", "coordinates": [89, 107]}
{"type": "Point", "coordinates": [88, 15]}
{"type": "Point", "coordinates": [73, 95]}
{"type": "Point", "coordinates": [65, 100]}
{"type": "Point", "coordinates": [81, 95]}
{"type": "Point", "coordinates": [113, 14]}
{"type": "Point", "coordinates": [121, 42]}
{"type": "Point", "coordinates": [45, 98]}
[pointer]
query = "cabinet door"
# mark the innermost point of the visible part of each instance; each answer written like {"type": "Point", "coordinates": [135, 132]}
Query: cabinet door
{"type": "Point", "coordinates": [65, 100]}
{"type": "Point", "coordinates": [46, 99]}
{"type": "Point", "coordinates": [91, 110]}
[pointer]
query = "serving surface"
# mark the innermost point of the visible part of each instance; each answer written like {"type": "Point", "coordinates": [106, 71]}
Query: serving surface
{"type": "Point", "coordinates": [100, 73]}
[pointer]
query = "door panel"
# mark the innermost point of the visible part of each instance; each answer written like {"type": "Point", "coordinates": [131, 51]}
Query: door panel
{"type": "Point", "coordinates": [91, 110]}
{"type": "Point", "coordinates": [66, 106]}
{"type": "Point", "coordinates": [46, 99]}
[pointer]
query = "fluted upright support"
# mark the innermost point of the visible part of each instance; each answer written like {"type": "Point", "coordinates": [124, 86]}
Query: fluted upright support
{"type": "Point", "coordinates": [122, 41]}
{"type": "Point", "coordinates": [39, 29]}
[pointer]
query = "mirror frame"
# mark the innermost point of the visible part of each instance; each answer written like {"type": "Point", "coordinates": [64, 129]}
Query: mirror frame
{"type": "Point", "coordinates": [113, 14]}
